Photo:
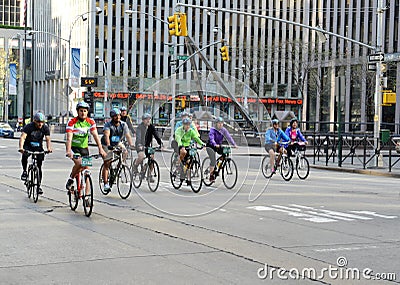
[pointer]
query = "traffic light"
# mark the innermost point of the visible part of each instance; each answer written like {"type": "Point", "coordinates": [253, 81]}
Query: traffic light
{"type": "Point", "coordinates": [225, 53]}
{"type": "Point", "coordinates": [182, 25]}
{"type": "Point", "coordinates": [173, 25]}
{"type": "Point", "coordinates": [177, 25]}
{"type": "Point", "coordinates": [180, 103]}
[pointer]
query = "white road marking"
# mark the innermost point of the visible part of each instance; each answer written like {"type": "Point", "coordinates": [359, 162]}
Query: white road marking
{"type": "Point", "coordinates": [320, 215]}
{"type": "Point", "coordinates": [345, 248]}
{"type": "Point", "coordinates": [374, 214]}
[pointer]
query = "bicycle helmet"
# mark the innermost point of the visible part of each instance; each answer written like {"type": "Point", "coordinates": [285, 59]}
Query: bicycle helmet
{"type": "Point", "coordinates": [123, 108]}
{"type": "Point", "coordinates": [39, 117]}
{"type": "Point", "coordinates": [146, 116]}
{"type": "Point", "coordinates": [219, 120]}
{"type": "Point", "coordinates": [184, 114]}
{"type": "Point", "coordinates": [293, 120]}
{"type": "Point", "coordinates": [275, 121]}
{"type": "Point", "coordinates": [114, 112]}
{"type": "Point", "coordinates": [186, 121]}
{"type": "Point", "coordinates": [82, 104]}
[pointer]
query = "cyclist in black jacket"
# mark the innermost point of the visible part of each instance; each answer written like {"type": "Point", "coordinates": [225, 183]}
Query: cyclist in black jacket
{"type": "Point", "coordinates": [144, 137]}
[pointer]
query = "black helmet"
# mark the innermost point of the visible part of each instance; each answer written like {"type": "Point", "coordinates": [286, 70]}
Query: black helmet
{"type": "Point", "coordinates": [39, 117]}
{"type": "Point", "coordinates": [293, 120]}
{"type": "Point", "coordinates": [123, 108]}
{"type": "Point", "coordinates": [275, 121]}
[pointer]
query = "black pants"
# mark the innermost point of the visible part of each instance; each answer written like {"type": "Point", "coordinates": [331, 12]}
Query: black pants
{"type": "Point", "coordinates": [39, 160]}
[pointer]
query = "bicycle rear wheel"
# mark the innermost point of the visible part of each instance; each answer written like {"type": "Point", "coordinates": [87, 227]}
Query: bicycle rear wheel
{"type": "Point", "coordinates": [153, 176]}
{"type": "Point", "coordinates": [195, 176]}
{"type": "Point", "coordinates": [35, 184]}
{"type": "Point", "coordinates": [302, 167]}
{"type": "Point", "coordinates": [286, 168]}
{"type": "Point", "coordinates": [206, 172]}
{"type": "Point", "coordinates": [137, 176]}
{"type": "Point", "coordinates": [175, 173]}
{"type": "Point", "coordinates": [229, 173]}
{"type": "Point", "coordinates": [266, 167]}
{"type": "Point", "coordinates": [88, 198]}
{"type": "Point", "coordinates": [101, 181]}
{"type": "Point", "coordinates": [124, 182]}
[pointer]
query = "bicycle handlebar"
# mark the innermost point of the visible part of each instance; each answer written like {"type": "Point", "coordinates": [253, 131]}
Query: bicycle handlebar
{"type": "Point", "coordinates": [37, 152]}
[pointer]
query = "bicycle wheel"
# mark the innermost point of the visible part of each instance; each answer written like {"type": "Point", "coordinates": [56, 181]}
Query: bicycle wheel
{"type": "Point", "coordinates": [28, 182]}
{"type": "Point", "coordinates": [35, 184]}
{"type": "Point", "coordinates": [101, 181]}
{"type": "Point", "coordinates": [124, 182]}
{"type": "Point", "coordinates": [153, 176]}
{"type": "Point", "coordinates": [286, 168]}
{"type": "Point", "coordinates": [73, 197]}
{"type": "Point", "coordinates": [174, 173]}
{"type": "Point", "coordinates": [266, 167]}
{"type": "Point", "coordinates": [137, 176]}
{"type": "Point", "coordinates": [195, 176]}
{"type": "Point", "coordinates": [205, 166]}
{"type": "Point", "coordinates": [88, 198]}
{"type": "Point", "coordinates": [302, 167]}
{"type": "Point", "coordinates": [229, 173]}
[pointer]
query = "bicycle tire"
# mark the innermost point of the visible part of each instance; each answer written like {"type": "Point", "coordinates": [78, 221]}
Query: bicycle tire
{"type": "Point", "coordinates": [88, 208]}
{"type": "Point", "coordinates": [195, 174]}
{"type": "Point", "coordinates": [304, 164]}
{"type": "Point", "coordinates": [266, 167]}
{"type": "Point", "coordinates": [229, 169]}
{"type": "Point", "coordinates": [73, 199]}
{"type": "Point", "coordinates": [287, 169]}
{"type": "Point", "coordinates": [205, 166]}
{"type": "Point", "coordinates": [137, 177]}
{"type": "Point", "coordinates": [101, 181]}
{"type": "Point", "coordinates": [28, 182]}
{"type": "Point", "coordinates": [35, 184]}
{"type": "Point", "coordinates": [174, 174]}
{"type": "Point", "coordinates": [153, 174]}
{"type": "Point", "coordinates": [124, 182]}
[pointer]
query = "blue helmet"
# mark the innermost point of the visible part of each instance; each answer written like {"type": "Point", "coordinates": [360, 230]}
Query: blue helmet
{"type": "Point", "coordinates": [39, 117]}
{"type": "Point", "coordinates": [275, 121]}
{"type": "Point", "coordinates": [114, 112]}
{"type": "Point", "coordinates": [186, 121]}
{"type": "Point", "coordinates": [82, 104]}
{"type": "Point", "coordinates": [146, 116]}
{"type": "Point", "coordinates": [184, 114]}
{"type": "Point", "coordinates": [219, 120]}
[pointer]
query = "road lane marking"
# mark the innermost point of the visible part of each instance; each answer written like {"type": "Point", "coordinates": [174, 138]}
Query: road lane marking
{"type": "Point", "coordinates": [346, 248]}
{"type": "Point", "coordinates": [374, 214]}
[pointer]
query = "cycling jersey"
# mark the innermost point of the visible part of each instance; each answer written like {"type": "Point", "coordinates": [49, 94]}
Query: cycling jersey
{"type": "Point", "coordinates": [116, 133]}
{"type": "Point", "coordinates": [80, 130]}
{"type": "Point", "coordinates": [144, 135]}
{"type": "Point", "coordinates": [34, 136]}
{"type": "Point", "coordinates": [184, 138]}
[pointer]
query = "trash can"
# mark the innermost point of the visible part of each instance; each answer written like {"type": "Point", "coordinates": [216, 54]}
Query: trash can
{"type": "Point", "coordinates": [384, 135]}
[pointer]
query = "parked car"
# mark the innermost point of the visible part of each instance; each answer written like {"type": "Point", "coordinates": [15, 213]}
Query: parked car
{"type": "Point", "coordinates": [6, 130]}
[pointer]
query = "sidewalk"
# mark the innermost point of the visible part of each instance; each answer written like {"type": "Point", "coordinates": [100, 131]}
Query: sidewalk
{"type": "Point", "coordinates": [259, 152]}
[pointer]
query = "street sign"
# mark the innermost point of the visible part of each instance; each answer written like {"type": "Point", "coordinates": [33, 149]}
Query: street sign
{"type": "Point", "coordinates": [182, 57]}
{"type": "Point", "coordinates": [392, 57]}
{"type": "Point", "coordinates": [376, 57]}
{"type": "Point", "coordinates": [371, 67]}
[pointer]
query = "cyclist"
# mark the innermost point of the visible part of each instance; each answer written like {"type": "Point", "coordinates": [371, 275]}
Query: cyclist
{"type": "Point", "coordinates": [184, 136]}
{"type": "Point", "coordinates": [113, 132]}
{"type": "Point", "coordinates": [294, 134]}
{"type": "Point", "coordinates": [186, 115]}
{"type": "Point", "coordinates": [127, 119]}
{"type": "Point", "coordinates": [144, 137]}
{"type": "Point", "coordinates": [32, 139]}
{"type": "Point", "coordinates": [77, 130]}
{"type": "Point", "coordinates": [215, 139]}
{"type": "Point", "coordinates": [273, 136]}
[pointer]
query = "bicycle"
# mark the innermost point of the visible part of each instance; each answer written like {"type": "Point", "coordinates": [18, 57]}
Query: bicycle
{"type": "Point", "coordinates": [32, 183]}
{"type": "Point", "coordinates": [302, 164]}
{"type": "Point", "coordinates": [189, 170]}
{"type": "Point", "coordinates": [284, 165]}
{"type": "Point", "coordinates": [83, 180]}
{"type": "Point", "coordinates": [225, 164]}
{"type": "Point", "coordinates": [149, 171]}
{"type": "Point", "coordinates": [118, 173]}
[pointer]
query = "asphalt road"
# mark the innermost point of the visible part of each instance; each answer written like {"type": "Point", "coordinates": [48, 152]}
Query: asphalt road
{"type": "Point", "coordinates": [333, 224]}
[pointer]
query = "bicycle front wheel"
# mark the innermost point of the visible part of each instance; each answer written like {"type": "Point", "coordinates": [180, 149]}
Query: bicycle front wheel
{"type": "Point", "coordinates": [35, 184]}
{"type": "Point", "coordinates": [302, 167]}
{"type": "Point", "coordinates": [175, 173]}
{"type": "Point", "coordinates": [101, 181]}
{"type": "Point", "coordinates": [153, 176]}
{"type": "Point", "coordinates": [266, 167]}
{"type": "Point", "coordinates": [73, 197]}
{"type": "Point", "coordinates": [206, 171]}
{"type": "Point", "coordinates": [137, 175]}
{"type": "Point", "coordinates": [229, 173]}
{"type": "Point", "coordinates": [195, 176]}
{"type": "Point", "coordinates": [286, 168]}
{"type": "Point", "coordinates": [87, 196]}
{"type": "Point", "coordinates": [28, 183]}
{"type": "Point", "coordinates": [124, 182]}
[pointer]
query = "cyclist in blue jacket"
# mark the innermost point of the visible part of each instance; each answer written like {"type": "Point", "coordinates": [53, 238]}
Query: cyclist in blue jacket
{"type": "Point", "coordinates": [273, 137]}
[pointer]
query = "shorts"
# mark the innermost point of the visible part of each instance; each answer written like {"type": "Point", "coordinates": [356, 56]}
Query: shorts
{"type": "Point", "coordinates": [110, 154]}
{"type": "Point", "coordinates": [270, 146]}
{"type": "Point", "coordinates": [81, 151]}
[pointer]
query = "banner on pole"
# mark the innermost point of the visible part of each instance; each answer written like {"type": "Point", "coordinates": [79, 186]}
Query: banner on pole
{"type": "Point", "coordinates": [12, 82]}
{"type": "Point", "coordinates": [75, 63]}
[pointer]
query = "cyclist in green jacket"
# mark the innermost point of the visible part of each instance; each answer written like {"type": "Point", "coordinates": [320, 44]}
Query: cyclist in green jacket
{"type": "Point", "coordinates": [184, 135]}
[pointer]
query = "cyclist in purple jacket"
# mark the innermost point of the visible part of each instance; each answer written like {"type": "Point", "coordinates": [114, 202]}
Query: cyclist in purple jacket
{"type": "Point", "coordinates": [295, 135]}
{"type": "Point", "coordinates": [215, 139]}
